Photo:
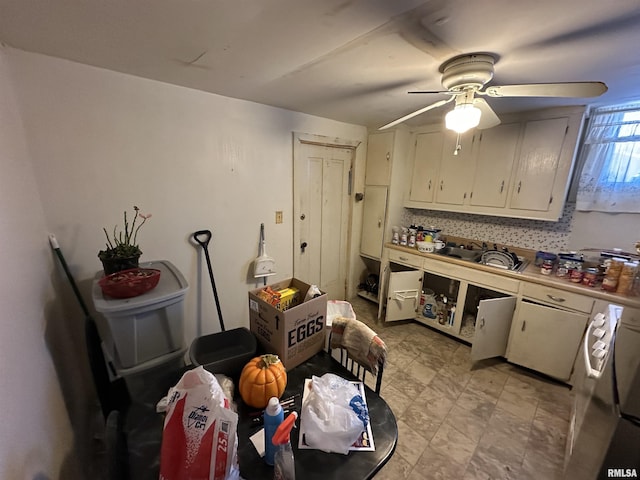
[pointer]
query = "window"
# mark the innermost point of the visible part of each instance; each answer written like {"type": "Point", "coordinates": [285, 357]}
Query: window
{"type": "Point", "coordinates": [610, 178]}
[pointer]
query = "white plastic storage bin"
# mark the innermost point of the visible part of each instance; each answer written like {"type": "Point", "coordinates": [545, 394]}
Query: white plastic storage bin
{"type": "Point", "coordinates": [149, 325]}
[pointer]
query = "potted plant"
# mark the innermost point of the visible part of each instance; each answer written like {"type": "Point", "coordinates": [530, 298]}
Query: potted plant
{"type": "Point", "coordinates": [122, 250]}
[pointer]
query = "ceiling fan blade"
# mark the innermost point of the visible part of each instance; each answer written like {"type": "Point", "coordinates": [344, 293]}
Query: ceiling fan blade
{"type": "Point", "coordinates": [569, 89]}
{"type": "Point", "coordinates": [488, 117]}
{"type": "Point", "coordinates": [432, 91]}
{"type": "Point", "coordinates": [416, 113]}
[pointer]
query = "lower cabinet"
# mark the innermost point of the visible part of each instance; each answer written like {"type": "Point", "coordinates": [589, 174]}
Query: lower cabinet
{"type": "Point", "coordinates": [546, 339]}
{"type": "Point", "coordinates": [474, 313]}
{"type": "Point", "coordinates": [531, 325]}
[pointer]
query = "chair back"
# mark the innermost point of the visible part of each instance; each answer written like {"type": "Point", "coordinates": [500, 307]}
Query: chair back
{"type": "Point", "coordinates": [358, 349]}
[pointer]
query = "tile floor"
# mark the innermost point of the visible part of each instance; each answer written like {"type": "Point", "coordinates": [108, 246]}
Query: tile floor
{"type": "Point", "coordinates": [459, 420]}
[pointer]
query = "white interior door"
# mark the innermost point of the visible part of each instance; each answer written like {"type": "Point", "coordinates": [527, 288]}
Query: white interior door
{"type": "Point", "coordinates": [321, 215]}
{"type": "Point", "coordinates": [493, 324]}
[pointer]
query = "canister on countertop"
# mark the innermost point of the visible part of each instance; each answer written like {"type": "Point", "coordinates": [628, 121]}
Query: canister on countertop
{"type": "Point", "coordinates": [547, 267]}
{"type": "Point", "coordinates": [563, 268]}
{"type": "Point", "coordinates": [590, 277]}
{"type": "Point", "coordinates": [577, 274]}
{"type": "Point", "coordinates": [411, 242]}
{"type": "Point", "coordinates": [404, 236]}
{"type": "Point", "coordinates": [625, 281]}
{"type": "Point", "coordinates": [610, 281]}
{"type": "Point", "coordinates": [395, 239]}
{"type": "Point", "coordinates": [542, 256]}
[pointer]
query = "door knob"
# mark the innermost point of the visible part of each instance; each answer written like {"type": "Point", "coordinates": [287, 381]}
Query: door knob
{"type": "Point", "coordinates": [303, 245]}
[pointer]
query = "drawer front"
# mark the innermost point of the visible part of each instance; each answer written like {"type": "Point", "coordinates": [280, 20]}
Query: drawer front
{"type": "Point", "coordinates": [558, 298]}
{"type": "Point", "coordinates": [477, 277]}
{"type": "Point", "coordinates": [405, 258]}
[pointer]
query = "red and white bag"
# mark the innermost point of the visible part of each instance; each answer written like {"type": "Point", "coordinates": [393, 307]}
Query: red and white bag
{"type": "Point", "coordinates": [199, 440]}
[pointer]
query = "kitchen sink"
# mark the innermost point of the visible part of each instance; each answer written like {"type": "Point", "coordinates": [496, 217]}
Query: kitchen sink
{"type": "Point", "coordinates": [476, 257]}
{"type": "Point", "coordinates": [462, 253]}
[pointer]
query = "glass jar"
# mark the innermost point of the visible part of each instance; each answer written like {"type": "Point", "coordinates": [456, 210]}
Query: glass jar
{"type": "Point", "coordinates": [610, 280]}
{"type": "Point", "coordinates": [625, 281]}
{"type": "Point", "coordinates": [563, 269]}
{"type": "Point", "coordinates": [590, 277]}
{"type": "Point", "coordinates": [547, 267]}
{"type": "Point", "coordinates": [577, 274]}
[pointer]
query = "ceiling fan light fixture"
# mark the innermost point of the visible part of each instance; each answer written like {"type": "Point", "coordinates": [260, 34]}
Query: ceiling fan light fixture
{"type": "Point", "coordinates": [462, 118]}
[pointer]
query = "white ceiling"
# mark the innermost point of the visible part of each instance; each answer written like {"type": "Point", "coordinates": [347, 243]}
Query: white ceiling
{"type": "Point", "coordinates": [352, 61]}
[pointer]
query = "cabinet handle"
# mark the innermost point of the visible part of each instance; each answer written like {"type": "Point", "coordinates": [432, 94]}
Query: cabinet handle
{"type": "Point", "coordinates": [502, 186]}
{"type": "Point", "coordinates": [404, 259]}
{"type": "Point", "coordinates": [482, 322]}
{"type": "Point", "coordinates": [429, 187]}
{"type": "Point", "coordinates": [379, 223]}
{"type": "Point", "coordinates": [388, 155]}
{"type": "Point", "coordinates": [519, 185]}
{"type": "Point", "coordinates": [556, 299]}
{"type": "Point", "coordinates": [441, 182]}
{"type": "Point", "coordinates": [465, 195]}
{"type": "Point", "coordinates": [524, 325]}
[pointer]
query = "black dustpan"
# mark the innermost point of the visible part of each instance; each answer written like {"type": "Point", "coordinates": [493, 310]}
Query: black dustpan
{"type": "Point", "coordinates": [228, 351]}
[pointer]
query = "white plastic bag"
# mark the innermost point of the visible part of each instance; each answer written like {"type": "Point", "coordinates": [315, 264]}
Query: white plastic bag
{"type": "Point", "coordinates": [338, 308]}
{"type": "Point", "coordinates": [199, 439]}
{"type": "Point", "coordinates": [333, 414]}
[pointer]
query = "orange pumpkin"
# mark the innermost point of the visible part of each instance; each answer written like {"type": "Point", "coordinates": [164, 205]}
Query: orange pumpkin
{"type": "Point", "coordinates": [262, 377]}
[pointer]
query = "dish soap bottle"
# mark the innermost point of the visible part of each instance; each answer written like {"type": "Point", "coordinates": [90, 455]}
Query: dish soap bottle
{"type": "Point", "coordinates": [284, 466]}
{"type": "Point", "coordinates": [273, 417]}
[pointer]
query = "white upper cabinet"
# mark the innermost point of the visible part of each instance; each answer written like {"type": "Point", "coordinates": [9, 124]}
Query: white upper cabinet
{"type": "Point", "coordinates": [542, 143]}
{"type": "Point", "coordinates": [456, 169]}
{"type": "Point", "coordinates": [520, 168]}
{"type": "Point", "coordinates": [494, 164]}
{"type": "Point", "coordinates": [379, 157]}
{"type": "Point", "coordinates": [427, 153]}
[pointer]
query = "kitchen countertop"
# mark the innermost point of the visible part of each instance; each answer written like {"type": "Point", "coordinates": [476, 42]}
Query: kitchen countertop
{"type": "Point", "coordinates": [530, 274]}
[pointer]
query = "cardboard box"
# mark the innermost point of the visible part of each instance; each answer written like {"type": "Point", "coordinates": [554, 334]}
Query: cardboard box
{"type": "Point", "coordinates": [294, 335]}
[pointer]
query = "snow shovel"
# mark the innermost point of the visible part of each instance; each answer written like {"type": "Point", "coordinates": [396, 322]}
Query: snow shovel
{"type": "Point", "coordinates": [112, 395]}
{"type": "Point", "coordinates": [264, 265]}
{"type": "Point", "coordinates": [228, 351]}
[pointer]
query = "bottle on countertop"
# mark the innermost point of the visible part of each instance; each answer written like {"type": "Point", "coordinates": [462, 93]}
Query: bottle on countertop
{"type": "Point", "coordinates": [273, 417]}
{"type": "Point", "coordinates": [395, 239]}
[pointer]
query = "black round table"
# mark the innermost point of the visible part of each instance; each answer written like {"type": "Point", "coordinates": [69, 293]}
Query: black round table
{"type": "Point", "coordinates": [143, 430]}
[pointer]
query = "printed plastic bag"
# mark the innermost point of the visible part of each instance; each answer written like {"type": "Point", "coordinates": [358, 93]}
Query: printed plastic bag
{"type": "Point", "coordinates": [333, 415]}
{"type": "Point", "coordinates": [199, 440]}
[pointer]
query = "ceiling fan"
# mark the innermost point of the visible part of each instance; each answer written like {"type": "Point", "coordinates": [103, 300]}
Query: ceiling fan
{"type": "Point", "coordinates": [465, 76]}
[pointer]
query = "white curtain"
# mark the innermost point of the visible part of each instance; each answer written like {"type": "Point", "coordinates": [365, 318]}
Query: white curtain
{"type": "Point", "coordinates": [610, 177]}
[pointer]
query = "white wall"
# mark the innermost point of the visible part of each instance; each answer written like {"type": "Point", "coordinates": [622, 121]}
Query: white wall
{"type": "Point", "coordinates": [100, 142]}
{"type": "Point", "coordinates": [35, 435]}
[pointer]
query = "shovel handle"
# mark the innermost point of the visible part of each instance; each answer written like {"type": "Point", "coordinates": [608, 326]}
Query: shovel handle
{"type": "Point", "coordinates": [202, 233]}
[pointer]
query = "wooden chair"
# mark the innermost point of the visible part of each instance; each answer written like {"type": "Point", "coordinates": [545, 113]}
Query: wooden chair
{"type": "Point", "coordinates": [358, 349]}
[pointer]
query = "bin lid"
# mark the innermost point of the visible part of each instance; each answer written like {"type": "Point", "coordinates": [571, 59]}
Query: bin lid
{"type": "Point", "coordinates": [172, 284]}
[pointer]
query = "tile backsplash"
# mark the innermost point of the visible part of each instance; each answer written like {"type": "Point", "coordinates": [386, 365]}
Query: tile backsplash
{"type": "Point", "coordinates": [517, 232]}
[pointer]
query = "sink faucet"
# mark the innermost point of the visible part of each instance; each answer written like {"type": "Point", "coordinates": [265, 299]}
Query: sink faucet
{"type": "Point", "coordinates": [483, 246]}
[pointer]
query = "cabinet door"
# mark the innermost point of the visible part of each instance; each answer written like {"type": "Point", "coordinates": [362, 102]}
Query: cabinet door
{"type": "Point", "coordinates": [373, 216]}
{"type": "Point", "coordinates": [496, 151]}
{"type": "Point", "coordinates": [403, 295]}
{"type": "Point", "coordinates": [456, 169]}
{"type": "Point", "coordinates": [493, 324]}
{"type": "Point", "coordinates": [539, 155]}
{"type": "Point", "coordinates": [379, 149]}
{"type": "Point", "coordinates": [426, 160]}
{"type": "Point", "coordinates": [546, 339]}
